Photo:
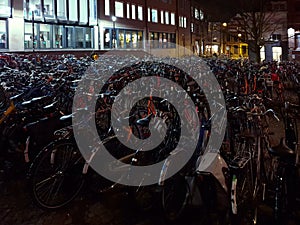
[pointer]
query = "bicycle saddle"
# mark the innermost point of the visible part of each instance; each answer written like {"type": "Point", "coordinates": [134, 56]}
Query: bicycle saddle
{"type": "Point", "coordinates": [281, 150]}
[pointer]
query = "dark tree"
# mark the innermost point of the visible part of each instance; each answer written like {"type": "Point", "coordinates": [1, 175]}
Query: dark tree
{"type": "Point", "coordinates": [256, 19]}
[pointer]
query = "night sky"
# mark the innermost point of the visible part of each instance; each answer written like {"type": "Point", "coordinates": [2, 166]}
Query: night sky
{"type": "Point", "coordinates": [219, 10]}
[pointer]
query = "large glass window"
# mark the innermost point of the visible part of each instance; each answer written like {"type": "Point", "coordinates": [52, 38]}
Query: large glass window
{"type": "Point", "coordinates": [73, 8]}
{"type": "Point", "coordinates": [83, 12]}
{"type": "Point", "coordinates": [107, 38]}
{"type": "Point", "coordinates": [69, 37]}
{"type": "Point", "coordinates": [28, 36]}
{"type": "Point", "coordinates": [130, 38]}
{"type": "Point", "coordinates": [49, 8]}
{"type": "Point", "coordinates": [107, 8]}
{"type": "Point", "coordinates": [162, 40]}
{"type": "Point", "coordinates": [79, 38]}
{"type": "Point", "coordinates": [61, 9]}
{"type": "Point", "coordinates": [133, 12]}
{"type": "Point", "coordinates": [5, 8]}
{"type": "Point", "coordinates": [154, 16]}
{"type": "Point", "coordinates": [124, 38]}
{"type": "Point", "coordinates": [119, 11]}
{"type": "Point", "coordinates": [57, 36]}
{"type": "Point", "coordinates": [44, 36]}
{"type": "Point", "coordinates": [140, 13]}
{"type": "Point", "coordinates": [173, 18]}
{"type": "Point", "coordinates": [3, 34]}
{"type": "Point", "coordinates": [93, 12]}
{"type": "Point", "coordinates": [121, 38]}
{"type": "Point", "coordinates": [89, 34]}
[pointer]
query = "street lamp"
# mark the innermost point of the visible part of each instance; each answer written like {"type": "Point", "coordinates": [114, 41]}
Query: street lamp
{"type": "Point", "coordinates": [224, 33]}
{"type": "Point", "coordinates": [114, 19]}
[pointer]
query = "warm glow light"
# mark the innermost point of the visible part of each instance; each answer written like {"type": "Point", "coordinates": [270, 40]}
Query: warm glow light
{"type": "Point", "coordinates": [239, 35]}
{"type": "Point", "coordinates": [224, 24]}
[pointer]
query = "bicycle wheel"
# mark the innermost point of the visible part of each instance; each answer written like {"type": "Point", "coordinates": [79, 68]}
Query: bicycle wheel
{"type": "Point", "coordinates": [175, 196]}
{"type": "Point", "coordinates": [55, 176]}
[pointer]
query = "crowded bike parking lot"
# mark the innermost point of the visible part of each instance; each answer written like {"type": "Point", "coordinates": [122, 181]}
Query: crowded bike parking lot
{"type": "Point", "coordinates": [48, 105]}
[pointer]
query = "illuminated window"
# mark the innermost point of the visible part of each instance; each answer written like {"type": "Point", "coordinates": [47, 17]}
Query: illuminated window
{"type": "Point", "coordinates": [201, 15]}
{"type": "Point", "coordinates": [5, 8]}
{"type": "Point", "coordinates": [162, 17]}
{"type": "Point", "coordinates": [44, 39]}
{"type": "Point", "coordinates": [48, 8]}
{"type": "Point", "coordinates": [61, 9]}
{"type": "Point", "coordinates": [149, 15]}
{"type": "Point", "coordinates": [34, 7]}
{"type": "Point", "coordinates": [57, 36]}
{"type": "Point", "coordinates": [93, 12]}
{"type": "Point", "coordinates": [192, 27]}
{"type": "Point", "coordinates": [184, 22]}
{"type": "Point", "coordinates": [28, 40]}
{"type": "Point", "coordinates": [3, 34]}
{"type": "Point", "coordinates": [173, 18]}
{"type": "Point", "coordinates": [107, 8]}
{"type": "Point", "coordinates": [154, 18]}
{"type": "Point", "coordinates": [197, 16]}
{"type": "Point", "coordinates": [167, 17]}
{"type": "Point", "coordinates": [73, 8]}
{"type": "Point", "coordinates": [83, 13]}
{"type": "Point", "coordinates": [119, 12]}
{"type": "Point", "coordinates": [133, 12]}
{"type": "Point", "coordinates": [128, 11]}
{"type": "Point", "coordinates": [140, 12]}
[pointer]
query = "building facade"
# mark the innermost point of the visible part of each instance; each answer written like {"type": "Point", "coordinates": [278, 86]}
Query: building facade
{"type": "Point", "coordinates": [48, 24]}
{"type": "Point", "coordinates": [293, 14]}
{"type": "Point", "coordinates": [62, 25]}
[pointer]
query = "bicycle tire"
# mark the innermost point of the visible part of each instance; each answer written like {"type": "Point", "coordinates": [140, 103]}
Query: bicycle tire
{"type": "Point", "coordinates": [52, 176]}
{"type": "Point", "coordinates": [175, 196]}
